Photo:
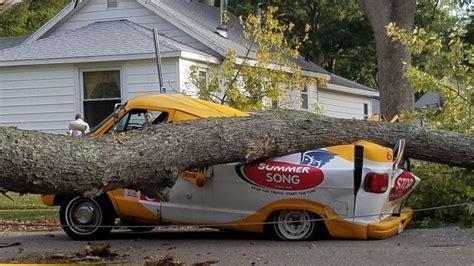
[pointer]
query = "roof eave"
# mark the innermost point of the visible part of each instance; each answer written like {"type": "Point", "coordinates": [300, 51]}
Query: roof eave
{"type": "Point", "coordinates": [350, 90]}
{"type": "Point", "coordinates": [307, 73]}
{"type": "Point", "coordinates": [109, 58]}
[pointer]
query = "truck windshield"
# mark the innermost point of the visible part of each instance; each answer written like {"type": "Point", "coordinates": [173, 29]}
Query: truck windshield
{"type": "Point", "coordinates": [106, 119]}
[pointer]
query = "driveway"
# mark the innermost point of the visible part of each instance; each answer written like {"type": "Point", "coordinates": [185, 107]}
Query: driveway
{"type": "Point", "coordinates": [444, 246]}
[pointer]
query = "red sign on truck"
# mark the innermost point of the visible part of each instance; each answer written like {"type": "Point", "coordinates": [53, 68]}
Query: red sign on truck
{"type": "Point", "coordinates": [281, 175]}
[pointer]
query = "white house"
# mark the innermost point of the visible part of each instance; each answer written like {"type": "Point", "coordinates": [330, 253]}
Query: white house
{"type": "Point", "coordinates": [95, 53]}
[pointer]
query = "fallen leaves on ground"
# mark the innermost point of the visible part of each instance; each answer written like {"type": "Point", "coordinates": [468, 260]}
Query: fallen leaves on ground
{"type": "Point", "coordinates": [163, 261]}
{"type": "Point", "coordinates": [92, 253]}
{"type": "Point", "coordinates": [29, 226]}
{"type": "Point", "coordinates": [169, 260]}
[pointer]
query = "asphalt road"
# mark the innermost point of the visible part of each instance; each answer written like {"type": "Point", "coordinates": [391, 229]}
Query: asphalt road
{"type": "Point", "coordinates": [444, 246]}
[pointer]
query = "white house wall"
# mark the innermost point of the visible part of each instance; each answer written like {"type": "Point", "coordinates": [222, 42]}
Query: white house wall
{"type": "Point", "coordinates": [142, 76]}
{"type": "Point", "coordinates": [342, 105]}
{"type": "Point", "coordinates": [37, 97]}
{"type": "Point", "coordinates": [131, 10]}
{"type": "Point", "coordinates": [45, 98]}
{"type": "Point", "coordinates": [185, 76]}
{"type": "Point", "coordinates": [293, 99]}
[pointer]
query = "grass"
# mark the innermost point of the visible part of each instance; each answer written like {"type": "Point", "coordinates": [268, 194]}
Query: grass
{"type": "Point", "coordinates": [25, 208]}
{"type": "Point", "coordinates": [28, 215]}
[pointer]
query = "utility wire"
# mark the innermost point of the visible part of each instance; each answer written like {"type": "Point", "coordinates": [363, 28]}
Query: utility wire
{"type": "Point", "coordinates": [243, 224]}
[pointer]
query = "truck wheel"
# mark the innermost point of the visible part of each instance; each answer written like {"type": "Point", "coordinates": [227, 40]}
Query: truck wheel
{"type": "Point", "coordinates": [293, 225]}
{"type": "Point", "coordinates": [87, 219]}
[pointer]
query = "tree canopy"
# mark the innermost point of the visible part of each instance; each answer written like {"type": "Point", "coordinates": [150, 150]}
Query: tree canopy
{"type": "Point", "coordinates": [24, 18]}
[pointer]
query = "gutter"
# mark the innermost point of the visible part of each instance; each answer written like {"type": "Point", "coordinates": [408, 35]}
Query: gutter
{"type": "Point", "coordinates": [110, 58]}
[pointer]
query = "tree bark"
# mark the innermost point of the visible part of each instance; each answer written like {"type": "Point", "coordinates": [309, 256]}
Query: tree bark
{"type": "Point", "coordinates": [151, 159]}
{"type": "Point", "coordinates": [396, 93]}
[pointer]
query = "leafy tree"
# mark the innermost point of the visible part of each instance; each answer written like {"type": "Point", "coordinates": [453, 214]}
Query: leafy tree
{"type": "Point", "coordinates": [444, 66]}
{"type": "Point", "coordinates": [26, 17]}
{"type": "Point", "coordinates": [261, 78]}
{"type": "Point", "coordinates": [340, 38]}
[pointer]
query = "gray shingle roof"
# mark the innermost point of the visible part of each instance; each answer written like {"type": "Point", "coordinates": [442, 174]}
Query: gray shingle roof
{"type": "Point", "coordinates": [108, 38]}
{"type": "Point", "coordinates": [208, 18]}
{"type": "Point", "coordinates": [338, 80]}
{"type": "Point", "coordinates": [429, 99]}
{"type": "Point", "coordinates": [8, 42]}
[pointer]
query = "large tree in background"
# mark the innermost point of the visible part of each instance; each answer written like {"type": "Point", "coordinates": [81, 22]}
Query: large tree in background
{"type": "Point", "coordinates": [396, 93]}
{"type": "Point", "coordinates": [27, 16]}
{"type": "Point", "coordinates": [340, 38]}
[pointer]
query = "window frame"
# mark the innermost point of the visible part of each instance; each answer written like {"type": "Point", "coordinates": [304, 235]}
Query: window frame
{"type": "Point", "coordinates": [206, 72]}
{"type": "Point", "coordinates": [99, 69]}
{"type": "Point", "coordinates": [305, 94]}
{"type": "Point", "coordinates": [366, 111]}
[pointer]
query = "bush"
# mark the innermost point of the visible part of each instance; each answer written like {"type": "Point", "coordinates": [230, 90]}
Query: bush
{"type": "Point", "coordinates": [442, 185]}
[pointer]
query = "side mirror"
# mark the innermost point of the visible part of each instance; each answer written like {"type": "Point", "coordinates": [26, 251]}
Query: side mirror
{"type": "Point", "coordinates": [398, 152]}
{"type": "Point", "coordinates": [117, 108]}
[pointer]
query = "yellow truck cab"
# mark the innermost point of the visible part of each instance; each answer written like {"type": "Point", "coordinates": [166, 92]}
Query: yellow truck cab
{"type": "Point", "coordinates": [163, 108]}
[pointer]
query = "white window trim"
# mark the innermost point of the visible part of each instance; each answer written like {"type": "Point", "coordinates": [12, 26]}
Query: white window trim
{"type": "Point", "coordinates": [364, 115]}
{"type": "Point", "coordinates": [205, 70]}
{"type": "Point", "coordinates": [98, 69]}
{"type": "Point", "coordinates": [305, 94]}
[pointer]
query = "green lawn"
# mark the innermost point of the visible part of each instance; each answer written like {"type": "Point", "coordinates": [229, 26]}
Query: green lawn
{"type": "Point", "coordinates": [25, 208]}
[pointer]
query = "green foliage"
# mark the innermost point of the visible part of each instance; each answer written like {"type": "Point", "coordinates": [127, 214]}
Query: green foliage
{"type": "Point", "coordinates": [440, 186]}
{"type": "Point", "coordinates": [340, 38]}
{"type": "Point", "coordinates": [447, 71]}
{"type": "Point", "coordinates": [256, 82]}
{"type": "Point", "coordinates": [443, 64]}
{"type": "Point", "coordinates": [27, 16]}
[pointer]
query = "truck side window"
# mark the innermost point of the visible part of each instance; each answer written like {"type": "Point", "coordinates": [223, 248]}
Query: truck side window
{"type": "Point", "coordinates": [136, 119]}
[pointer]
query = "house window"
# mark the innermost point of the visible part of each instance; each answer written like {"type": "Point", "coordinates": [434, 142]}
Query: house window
{"type": "Point", "coordinates": [366, 111]}
{"type": "Point", "coordinates": [203, 78]}
{"type": "Point", "coordinates": [112, 3]}
{"type": "Point", "coordinates": [304, 98]}
{"type": "Point", "coordinates": [275, 104]}
{"type": "Point", "coordinates": [101, 91]}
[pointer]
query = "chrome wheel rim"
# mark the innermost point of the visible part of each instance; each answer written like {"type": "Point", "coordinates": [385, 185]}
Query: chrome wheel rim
{"type": "Point", "coordinates": [294, 224]}
{"type": "Point", "coordinates": [83, 216]}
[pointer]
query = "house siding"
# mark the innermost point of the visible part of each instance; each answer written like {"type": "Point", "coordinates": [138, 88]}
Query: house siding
{"type": "Point", "coordinates": [45, 98]}
{"type": "Point", "coordinates": [343, 105]}
{"type": "Point", "coordinates": [185, 76]}
{"type": "Point", "coordinates": [293, 99]}
{"type": "Point", "coordinates": [142, 77]}
{"type": "Point", "coordinates": [39, 97]}
{"type": "Point", "coordinates": [96, 10]}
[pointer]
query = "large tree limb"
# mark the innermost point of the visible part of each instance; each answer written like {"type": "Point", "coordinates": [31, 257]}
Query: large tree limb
{"type": "Point", "coordinates": [151, 159]}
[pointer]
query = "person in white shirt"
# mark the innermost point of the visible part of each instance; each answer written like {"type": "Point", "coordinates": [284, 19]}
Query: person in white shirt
{"type": "Point", "coordinates": [78, 126]}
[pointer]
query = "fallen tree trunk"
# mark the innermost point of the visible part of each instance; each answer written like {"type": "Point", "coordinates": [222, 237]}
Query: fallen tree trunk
{"type": "Point", "coordinates": [151, 160]}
